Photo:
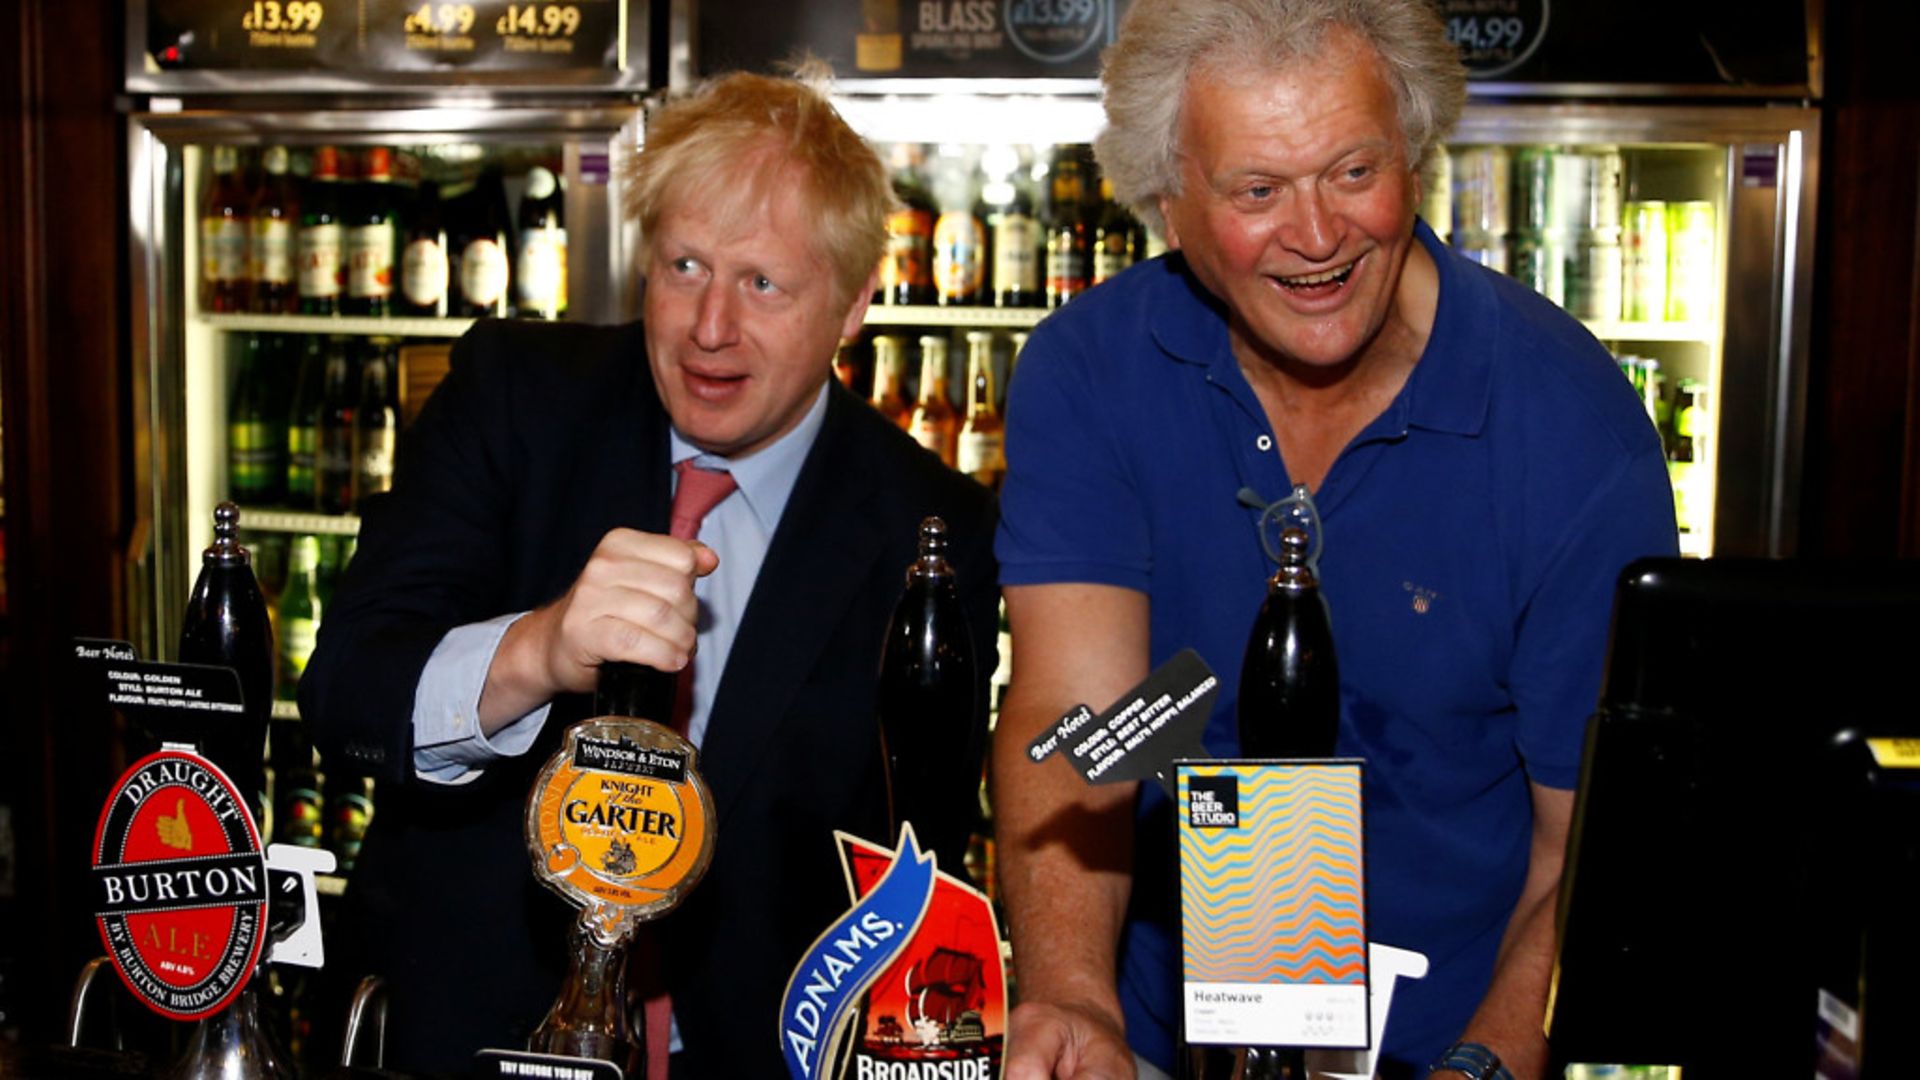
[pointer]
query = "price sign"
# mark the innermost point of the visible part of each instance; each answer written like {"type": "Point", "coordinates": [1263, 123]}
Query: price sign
{"type": "Point", "coordinates": [1495, 36]}
{"type": "Point", "coordinates": [387, 36]}
{"type": "Point", "coordinates": [1055, 31]}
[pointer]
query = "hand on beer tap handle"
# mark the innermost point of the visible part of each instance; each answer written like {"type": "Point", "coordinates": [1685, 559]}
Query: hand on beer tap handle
{"type": "Point", "coordinates": [1066, 1040]}
{"type": "Point", "coordinates": [633, 601]}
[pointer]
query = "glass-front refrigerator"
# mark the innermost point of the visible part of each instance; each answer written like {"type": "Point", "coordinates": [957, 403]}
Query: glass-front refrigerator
{"type": "Point", "coordinates": [322, 197]}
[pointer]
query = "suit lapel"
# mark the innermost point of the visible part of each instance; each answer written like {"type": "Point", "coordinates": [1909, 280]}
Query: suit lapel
{"type": "Point", "coordinates": [821, 553]}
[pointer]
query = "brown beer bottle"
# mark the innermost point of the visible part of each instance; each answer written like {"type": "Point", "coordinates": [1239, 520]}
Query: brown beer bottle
{"type": "Point", "coordinates": [927, 704]}
{"type": "Point", "coordinates": [370, 237]}
{"type": "Point", "coordinates": [935, 425]}
{"type": "Point", "coordinates": [980, 451]}
{"type": "Point", "coordinates": [1069, 236]}
{"type": "Point", "coordinates": [322, 237]}
{"type": "Point", "coordinates": [270, 252]}
{"type": "Point", "coordinates": [906, 268]}
{"type": "Point", "coordinates": [890, 380]}
{"type": "Point", "coordinates": [224, 217]}
{"type": "Point", "coordinates": [1117, 237]}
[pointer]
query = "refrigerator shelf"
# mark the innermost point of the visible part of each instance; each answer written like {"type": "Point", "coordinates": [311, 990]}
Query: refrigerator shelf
{"type": "Point", "coordinates": [931, 315]}
{"type": "Point", "coordinates": [340, 324]}
{"type": "Point", "coordinates": [1612, 330]}
{"type": "Point", "coordinates": [265, 519]}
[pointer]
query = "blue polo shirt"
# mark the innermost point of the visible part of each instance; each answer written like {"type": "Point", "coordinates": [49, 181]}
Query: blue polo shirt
{"type": "Point", "coordinates": [1473, 534]}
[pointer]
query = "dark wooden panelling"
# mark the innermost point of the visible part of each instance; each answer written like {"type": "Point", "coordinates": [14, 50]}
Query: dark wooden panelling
{"type": "Point", "coordinates": [62, 374]}
{"type": "Point", "coordinates": [1862, 480]}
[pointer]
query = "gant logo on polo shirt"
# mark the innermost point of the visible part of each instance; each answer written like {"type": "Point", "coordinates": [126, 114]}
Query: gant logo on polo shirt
{"type": "Point", "coordinates": [1423, 597]}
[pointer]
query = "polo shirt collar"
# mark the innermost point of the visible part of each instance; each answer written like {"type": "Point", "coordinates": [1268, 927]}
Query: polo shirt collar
{"type": "Point", "coordinates": [765, 478]}
{"type": "Point", "coordinates": [1450, 386]}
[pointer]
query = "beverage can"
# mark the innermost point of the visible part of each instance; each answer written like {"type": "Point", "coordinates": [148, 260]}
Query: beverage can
{"type": "Point", "coordinates": [1533, 187]}
{"type": "Point", "coordinates": [1644, 288]}
{"type": "Point", "coordinates": [1606, 185]}
{"type": "Point", "coordinates": [1480, 190]}
{"type": "Point", "coordinates": [1594, 276]}
{"type": "Point", "coordinates": [1692, 245]}
{"type": "Point", "coordinates": [1540, 263]}
{"type": "Point", "coordinates": [1436, 192]}
{"type": "Point", "coordinates": [1572, 189]}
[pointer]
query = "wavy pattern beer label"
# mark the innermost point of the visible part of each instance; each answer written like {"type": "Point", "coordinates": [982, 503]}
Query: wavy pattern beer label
{"type": "Point", "coordinates": [1273, 904]}
{"type": "Point", "coordinates": [620, 821]}
{"type": "Point", "coordinates": [179, 885]}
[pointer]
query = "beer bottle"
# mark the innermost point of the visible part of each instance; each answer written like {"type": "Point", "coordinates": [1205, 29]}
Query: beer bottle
{"type": "Point", "coordinates": [1117, 237]}
{"type": "Point", "coordinates": [980, 452]}
{"type": "Point", "coordinates": [349, 805]}
{"type": "Point", "coordinates": [1014, 233]}
{"type": "Point", "coordinates": [299, 612]}
{"type": "Point", "coordinates": [890, 380]}
{"type": "Point", "coordinates": [256, 436]}
{"type": "Point", "coordinates": [423, 261]}
{"type": "Point", "coordinates": [270, 252]}
{"type": "Point", "coordinates": [226, 625]}
{"type": "Point", "coordinates": [303, 421]}
{"type": "Point", "coordinates": [224, 216]}
{"type": "Point", "coordinates": [333, 462]}
{"type": "Point", "coordinates": [906, 269]}
{"type": "Point", "coordinates": [370, 237]}
{"type": "Point", "coordinates": [927, 704]}
{"type": "Point", "coordinates": [540, 278]}
{"type": "Point", "coordinates": [322, 240]}
{"type": "Point", "coordinates": [376, 422]}
{"type": "Point", "coordinates": [959, 250]}
{"type": "Point", "coordinates": [480, 244]}
{"type": "Point", "coordinates": [935, 424]}
{"type": "Point", "coordinates": [1069, 237]}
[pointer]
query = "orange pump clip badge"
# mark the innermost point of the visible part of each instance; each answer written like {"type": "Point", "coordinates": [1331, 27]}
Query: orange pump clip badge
{"type": "Point", "coordinates": [620, 822]}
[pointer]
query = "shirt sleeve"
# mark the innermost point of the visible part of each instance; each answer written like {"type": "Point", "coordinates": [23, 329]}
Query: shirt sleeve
{"type": "Point", "coordinates": [1069, 509]}
{"type": "Point", "coordinates": [449, 747]}
{"type": "Point", "coordinates": [1561, 650]}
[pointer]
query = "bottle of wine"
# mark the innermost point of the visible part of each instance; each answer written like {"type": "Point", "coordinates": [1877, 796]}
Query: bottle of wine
{"type": "Point", "coordinates": [256, 437]}
{"type": "Point", "coordinates": [935, 425]}
{"type": "Point", "coordinates": [224, 225]}
{"type": "Point", "coordinates": [927, 704]}
{"type": "Point", "coordinates": [540, 279]}
{"type": "Point", "coordinates": [322, 238]}
{"type": "Point", "coordinates": [980, 451]}
{"type": "Point", "coordinates": [333, 461]}
{"type": "Point", "coordinates": [226, 625]}
{"type": "Point", "coordinates": [480, 242]}
{"type": "Point", "coordinates": [1014, 233]}
{"type": "Point", "coordinates": [303, 421]}
{"type": "Point", "coordinates": [890, 380]}
{"type": "Point", "coordinates": [370, 237]}
{"type": "Point", "coordinates": [1069, 236]}
{"type": "Point", "coordinates": [423, 260]}
{"type": "Point", "coordinates": [299, 612]}
{"type": "Point", "coordinates": [376, 421]}
{"type": "Point", "coordinates": [270, 252]}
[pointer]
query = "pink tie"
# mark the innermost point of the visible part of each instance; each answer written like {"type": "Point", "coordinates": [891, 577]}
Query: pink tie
{"type": "Point", "coordinates": [699, 491]}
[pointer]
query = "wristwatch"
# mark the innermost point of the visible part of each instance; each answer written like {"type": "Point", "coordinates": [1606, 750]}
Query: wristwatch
{"type": "Point", "coordinates": [1471, 1060]}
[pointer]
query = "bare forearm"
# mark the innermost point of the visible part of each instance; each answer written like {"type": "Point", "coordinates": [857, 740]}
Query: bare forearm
{"type": "Point", "coordinates": [1511, 1018]}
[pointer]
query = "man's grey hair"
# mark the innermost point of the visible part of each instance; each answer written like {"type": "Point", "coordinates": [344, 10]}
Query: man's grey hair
{"type": "Point", "coordinates": [1161, 42]}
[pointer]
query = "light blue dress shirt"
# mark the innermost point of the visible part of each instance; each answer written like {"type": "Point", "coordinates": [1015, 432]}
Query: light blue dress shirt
{"type": "Point", "coordinates": [449, 746]}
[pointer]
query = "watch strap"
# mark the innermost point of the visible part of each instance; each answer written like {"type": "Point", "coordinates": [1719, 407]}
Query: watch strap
{"type": "Point", "coordinates": [1473, 1061]}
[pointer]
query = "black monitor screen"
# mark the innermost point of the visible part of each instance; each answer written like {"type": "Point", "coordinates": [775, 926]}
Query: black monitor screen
{"type": "Point", "coordinates": [1695, 866]}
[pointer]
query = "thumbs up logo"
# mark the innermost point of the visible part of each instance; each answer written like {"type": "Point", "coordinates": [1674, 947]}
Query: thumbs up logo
{"type": "Point", "coordinates": [174, 832]}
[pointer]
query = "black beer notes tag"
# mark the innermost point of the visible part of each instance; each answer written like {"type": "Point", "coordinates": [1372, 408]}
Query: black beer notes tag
{"type": "Point", "coordinates": [1139, 736]}
{"type": "Point", "coordinates": [176, 702]}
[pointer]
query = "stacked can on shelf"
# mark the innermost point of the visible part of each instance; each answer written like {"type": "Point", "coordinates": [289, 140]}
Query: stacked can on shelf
{"type": "Point", "coordinates": [1597, 261]}
{"type": "Point", "coordinates": [1481, 197]}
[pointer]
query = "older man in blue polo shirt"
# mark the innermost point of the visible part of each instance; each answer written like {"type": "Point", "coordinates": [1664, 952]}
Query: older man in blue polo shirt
{"type": "Point", "coordinates": [1480, 471]}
